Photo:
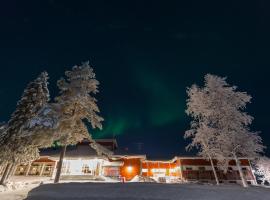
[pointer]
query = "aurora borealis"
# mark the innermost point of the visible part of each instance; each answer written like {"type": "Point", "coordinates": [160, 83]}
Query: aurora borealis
{"type": "Point", "coordinates": [145, 54]}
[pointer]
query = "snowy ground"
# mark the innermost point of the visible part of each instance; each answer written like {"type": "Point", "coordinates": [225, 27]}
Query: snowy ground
{"type": "Point", "coordinates": [146, 191]}
{"type": "Point", "coordinates": [19, 186]}
{"type": "Point", "coordinates": [29, 179]}
{"type": "Point", "coordinates": [16, 194]}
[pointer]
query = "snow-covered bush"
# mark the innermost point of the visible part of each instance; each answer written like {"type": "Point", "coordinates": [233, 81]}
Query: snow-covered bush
{"type": "Point", "coordinates": [263, 169]}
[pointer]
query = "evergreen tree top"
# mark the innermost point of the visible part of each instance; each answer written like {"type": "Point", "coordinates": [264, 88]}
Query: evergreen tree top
{"type": "Point", "coordinates": [34, 97]}
{"type": "Point", "coordinates": [76, 102]}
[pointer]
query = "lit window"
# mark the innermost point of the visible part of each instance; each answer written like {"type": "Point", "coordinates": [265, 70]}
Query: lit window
{"type": "Point", "coordinates": [144, 170]}
{"type": "Point", "coordinates": [158, 170]}
{"type": "Point", "coordinates": [173, 170]}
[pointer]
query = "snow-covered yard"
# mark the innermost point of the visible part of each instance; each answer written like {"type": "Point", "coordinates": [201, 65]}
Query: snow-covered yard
{"type": "Point", "coordinates": [19, 186]}
{"type": "Point", "coordinates": [146, 191]}
{"type": "Point", "coordinates": [18, 194]}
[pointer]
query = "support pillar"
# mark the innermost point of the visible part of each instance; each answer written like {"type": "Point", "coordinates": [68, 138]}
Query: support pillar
{"type": "Point", "coordinates": [140, 167]}
{"type": "Point", "coordinates": [147, 168]}
{"type": "Point", "coordinates": [28, 169]}
{"type": "Point", "coordinates": [42, 169]}
{"type": "Point", "coordinates": [180, 169]}
{"type": "Point", "coordinates": [170, 170]}
{"type": "Point", "coordinates": [101, 168]}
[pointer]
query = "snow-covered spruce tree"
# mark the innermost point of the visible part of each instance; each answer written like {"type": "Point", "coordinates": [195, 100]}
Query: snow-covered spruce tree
{"type": "Point", "coordinates": [263, 169]}
{"type": "Point", "coordinates": [76, 102]}
{"type": "Point", "coordinates": [3, 132]}
{"type": "Point", "coordinates": [42, 128]}
{"type": "Point", "coordinates": [223, 111]}
{"type": "Point", "coordinates": [16, 149]}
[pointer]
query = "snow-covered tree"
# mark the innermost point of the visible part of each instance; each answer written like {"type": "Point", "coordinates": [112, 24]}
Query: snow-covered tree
{"type": "Point", "coordinates": [263, 169]}
{"type": "Point", "coordinates": [204, 136]}
{"type": "Point", "coordinates": [43, 127]}
{"type": "Point", "coordinates": [3, 132]}
{"type": "Point", "coordinates": [76, 102]}
{"type": "Point", "coordinates": [16, 149]}
{"type": "Point", "coordinates": [218, 110]}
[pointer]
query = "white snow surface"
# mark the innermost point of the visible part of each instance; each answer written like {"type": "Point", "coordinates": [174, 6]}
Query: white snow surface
{"type": "Point", "coordinates": [142, 179]}
{"type": "Point", "coordinates": [146, 191]}
{"type": "Point", "coordinates": [19, 186]}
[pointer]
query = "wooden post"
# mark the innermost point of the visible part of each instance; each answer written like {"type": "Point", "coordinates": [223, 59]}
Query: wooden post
{"type": "Point", "coordinates": [28, 169]}
{"type": "Point", "coordinates": [42, 169]}
{"type": "Point", "coordinates": [158, 168]}
{"type": "Point", "coordinates": [140, 167]}
{"type": "Point", "coordinates": [147, 168]}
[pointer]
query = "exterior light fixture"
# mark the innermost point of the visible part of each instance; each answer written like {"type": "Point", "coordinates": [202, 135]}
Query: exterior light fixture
{"type": "Point", "coordinates": [129, 169]}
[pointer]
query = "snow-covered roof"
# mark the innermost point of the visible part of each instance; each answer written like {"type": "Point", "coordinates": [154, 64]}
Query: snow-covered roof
{"type": "Point", "coordinates": [122, 153]}
{"type": "Point", "coordinates": [112, 141]}
{"type": "Point", "coordinates": [85, 150]}
{"type": "Point", "coordinates": [76, 151]}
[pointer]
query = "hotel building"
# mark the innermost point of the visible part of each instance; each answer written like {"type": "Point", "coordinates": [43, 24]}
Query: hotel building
{"type": "Point", "coordinates": [82, 162]}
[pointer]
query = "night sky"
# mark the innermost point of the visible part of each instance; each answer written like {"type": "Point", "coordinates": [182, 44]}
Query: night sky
{"type": "Point", "coordinates": [145, 54]}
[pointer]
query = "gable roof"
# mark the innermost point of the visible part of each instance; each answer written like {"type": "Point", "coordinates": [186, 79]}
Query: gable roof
{"type": "Point", "coordinates": [81, 150]}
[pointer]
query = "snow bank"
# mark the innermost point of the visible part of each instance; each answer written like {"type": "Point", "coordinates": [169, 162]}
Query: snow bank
{"type": "Point", "coordinates": [110, 180]}
{"type": "Point", "coordinates": [141, 179]}
{"type": "Point", "coordinates": [21, 182]}
{"type": "Point", "coordinates": [13, 186]}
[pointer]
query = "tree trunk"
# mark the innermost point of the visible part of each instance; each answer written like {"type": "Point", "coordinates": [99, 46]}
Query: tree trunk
{"type": "Point", "coordinates": [244, 182]}
{"type": "Point", "coordinates": [11, 171]}
{"type": "Point", "coordinates": [5, 174]}
{"type": "Point", "coordinates": [60, 163]}
{"type": "Point", "coordinates": [214, 170]}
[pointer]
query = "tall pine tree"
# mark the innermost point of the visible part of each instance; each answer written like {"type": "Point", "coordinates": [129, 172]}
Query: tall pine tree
{"type": "Point", "coordinates": [76, 102]}
{"type": "Point", "coordinates": [15, 148]}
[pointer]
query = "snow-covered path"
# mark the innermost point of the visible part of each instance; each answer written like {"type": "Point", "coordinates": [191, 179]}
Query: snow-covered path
{"type": "Point", "coordinates": [146, 191]}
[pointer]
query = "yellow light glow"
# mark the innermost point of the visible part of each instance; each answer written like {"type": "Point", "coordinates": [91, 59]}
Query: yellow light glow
{"type": "Point", "coordinates": [129, 169]}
